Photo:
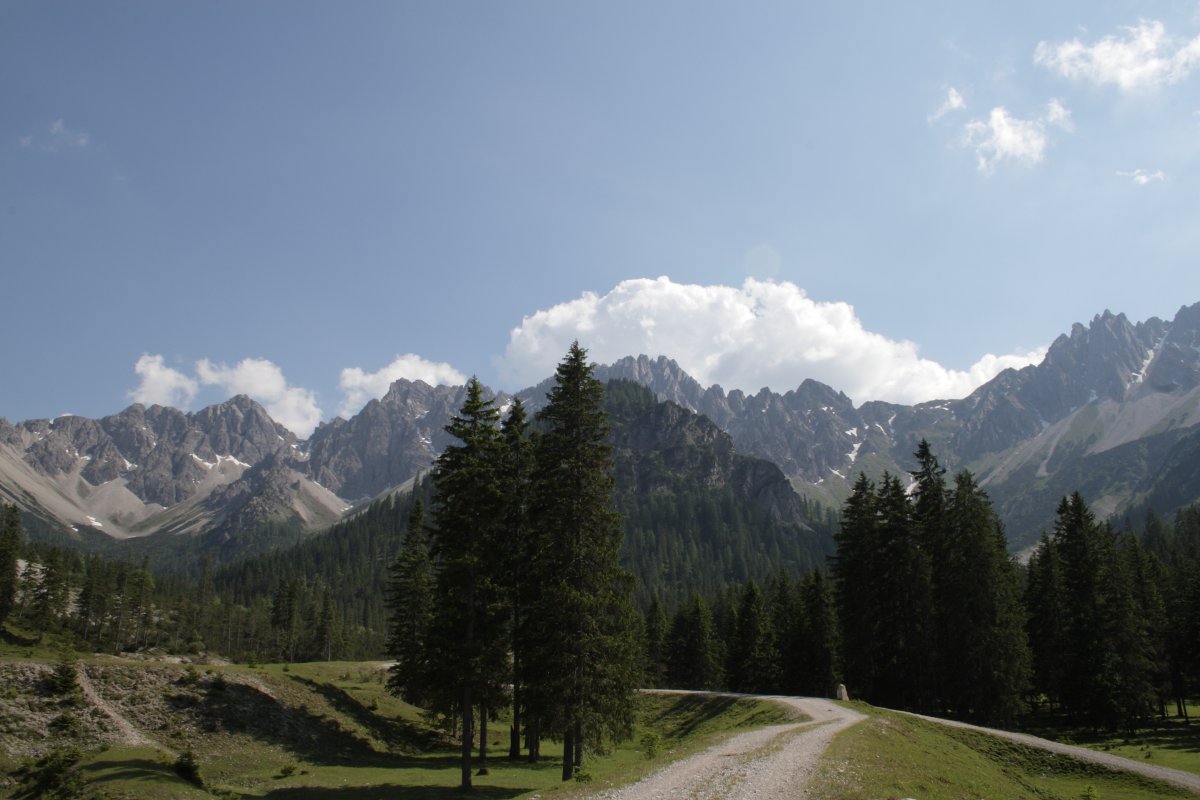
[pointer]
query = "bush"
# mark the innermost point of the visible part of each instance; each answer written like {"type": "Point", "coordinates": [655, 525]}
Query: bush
{"type": "Point", "coordinates": [64, 680]}
{"type": "Point", "coordinates": [65, 723]}
{"type": "Point", "coordinates": [52, 776]}
{"type": "Point", "coordinates": [650, 745]}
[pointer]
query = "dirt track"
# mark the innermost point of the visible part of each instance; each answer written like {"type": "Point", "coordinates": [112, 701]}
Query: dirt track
{"type": "Point", "coordinates": [777, 762]}
{"type": "Point", "coordinates": [773, 763]}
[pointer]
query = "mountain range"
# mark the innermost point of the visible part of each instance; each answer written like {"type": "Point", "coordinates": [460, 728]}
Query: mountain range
{"type": "Point", "coordinates": [1112, 410]}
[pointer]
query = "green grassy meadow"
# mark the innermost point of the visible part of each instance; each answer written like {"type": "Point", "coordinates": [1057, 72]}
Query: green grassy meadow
{"type": "Point", "coordinates": [892, 756]}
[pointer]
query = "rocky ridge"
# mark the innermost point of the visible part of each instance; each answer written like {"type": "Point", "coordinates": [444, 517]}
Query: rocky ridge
{"type": "Point", "coordinates": [1111, 392]}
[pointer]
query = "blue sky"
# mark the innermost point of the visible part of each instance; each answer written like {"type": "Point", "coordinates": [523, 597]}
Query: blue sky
{"type": "Point", "coordinates": [302, 201]}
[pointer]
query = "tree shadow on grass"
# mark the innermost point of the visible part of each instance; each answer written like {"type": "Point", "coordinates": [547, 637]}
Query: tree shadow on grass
{"type": "Point", "coordinates": [316, 738]}
{"type": "Point", "coordinates": [688, 712]}
{"type": "Point", "coordinates": [396, 733]}
{"type": "Point", "coordinates": [16, 639]}
{"type": "Point", "coordinates": [1169, 734]}
{"type": "Point", "coordinates": [133, 770]}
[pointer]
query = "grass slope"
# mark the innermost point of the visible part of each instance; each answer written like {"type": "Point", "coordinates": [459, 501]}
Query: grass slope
{"type": "Point", "coordinates": [891, 755]}
{"type": "Point", "coordinates": [326, 730]}
{"type": "Point", "coordinates": [1172, 742]}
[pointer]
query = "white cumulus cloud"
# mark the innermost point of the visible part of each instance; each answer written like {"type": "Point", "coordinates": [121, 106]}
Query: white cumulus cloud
{"type": "Point", "coordinates": [1003, 137]}
{"type": "Point", "coordinates": [1142, 177]}
{"type": "Point", "coordinates": [763, 333]}
{"type": "Point", "coordinates": [294, 408]}
{"type": "Point", "coordinates": [160, 384]}
{"type": "Point", "coordinates": [954, 102]}
{"type": "Point", "coordinates": [360, 387]}
{"type": "Point", "coordinates": [1143, 57]}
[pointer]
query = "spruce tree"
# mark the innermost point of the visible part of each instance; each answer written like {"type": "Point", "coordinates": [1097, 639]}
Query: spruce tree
{"type": "Point", "coordinates": [1046, 605]}
{"type": "Point", "coordinates": [515, 555]}
{"type": "Point", "coordinates": [985, 661]}
{"type": "Point", "coordinates": [10, 543]}
{"type": "Point", "coordinates": [693, 656]}
{"type": "Point", "coordinates": [819, 654]}
{"type": "Point", "coordinates": [856, 572]}
{"type": "Point", "coordinates": [468, 640]}
{"type": "Point", "coordinates": [936, 543]}
{"type": "Point", "coordinates": [410, 606]}
{"type": "Point", "coordinates": [587, 653]}
{"type": "Point", "coordinates": [657, 644]}
{"type": "Point", "coordinates": [754, 657]}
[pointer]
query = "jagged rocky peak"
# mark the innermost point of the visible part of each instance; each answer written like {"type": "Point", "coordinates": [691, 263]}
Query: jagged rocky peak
{"type": "Point", "coordinates": [388, 441]}
{"type": "Point", "coordinates": [1176, 365]}
{"type": "Point", "coordinates": [241, 427]}
{"type": "Point", "coordinates": [813, 395]}
{"type": "Point", "coordinates": [661, 375]}
{"type": "Point", "coordinates": [8, 434]}
{"type": "Point", "coordinates": [1099, 361]}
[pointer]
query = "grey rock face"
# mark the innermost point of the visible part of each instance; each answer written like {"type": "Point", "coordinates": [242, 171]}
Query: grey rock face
{"type": "Point", "coordinates": [388, 442]}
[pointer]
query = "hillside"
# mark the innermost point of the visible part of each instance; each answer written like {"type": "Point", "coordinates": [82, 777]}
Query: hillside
{"type": "Point", "coordinates": [311, 730]}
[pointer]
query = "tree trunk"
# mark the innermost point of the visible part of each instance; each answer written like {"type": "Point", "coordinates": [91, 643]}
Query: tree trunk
{"type": "Point", "coordinates": [578, 737]}
{"type": "Point", "coordinates": [568, 761]}
{"type": "Point", "coordinates": [468, 734]}
{"type": "Point", "coordinates": [483, 721]}
{"type": "Point", "coordinates": [514, 732]}
{"type": "Point", "coordinates": [533, 740]}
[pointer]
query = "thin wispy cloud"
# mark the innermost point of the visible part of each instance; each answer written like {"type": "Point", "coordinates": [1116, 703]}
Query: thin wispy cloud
{"type": "Point", "coordinates": [1003, 137]}
{"type": "Point", "coordinates": [360, 387]}
{"type": "Point", "coordinates": [1142, 57]}
{"type": "Point", "coordinates": [762, 333]}
{"type": "Point", "coordinates": [1142, 177]}
{"type": "Point", "coordinates": [954, 102]}
{"type": "Point", "coordinates": [57, 137]}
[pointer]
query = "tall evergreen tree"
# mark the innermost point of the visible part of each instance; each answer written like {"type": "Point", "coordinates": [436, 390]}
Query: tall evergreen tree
{"type": "Point", "coordinates": [819, 655]}
{"type": "Point", "coordinates": [657, 643]}
{"type": "Point", "coordinates": [10, 544]}
{"type": "Point", "coordinates": [935, 541]}
{"type": "Point", "coordinates": [693, 657]}
{"type": "Point", "coordinates": [905, 608]}
{"type": "Point", "coordinates": [1085, 561]}
{"type": "Point", "coordinates": [515, 554]}
{"type": "Point", "coordinates": [468, 640]}
{"type": "Point", "coordinates": [587, 654]}
{"type": "Point", "coordinates": [754, 657]}
{"type": "Point", "coordinates": [856, 572]}
{"type": "Point", "coordinates": [51, 591]}
{"type": "Point", "coordinates": [1046, 605]}
{"type": "Point", "coordinates": [410, 604]}
{"type": "Point", "coordinates": [985, 660]}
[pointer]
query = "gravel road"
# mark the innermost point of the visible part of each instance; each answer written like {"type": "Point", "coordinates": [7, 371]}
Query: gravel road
{"type": "Point", "coordinates": [777, 762]}
{"type": "Point", "coordinates": [772, 763]}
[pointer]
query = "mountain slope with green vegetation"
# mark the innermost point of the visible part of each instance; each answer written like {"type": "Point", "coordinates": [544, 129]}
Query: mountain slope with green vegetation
{"type": "Point", "coordinates": [133, 729]}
